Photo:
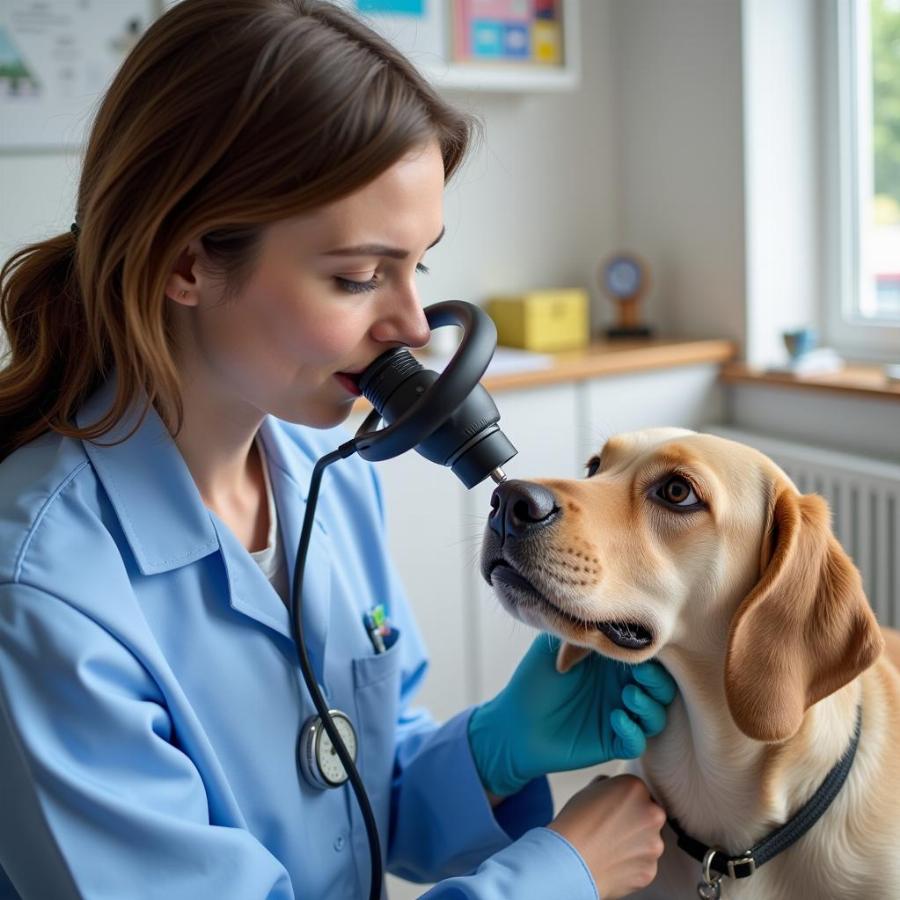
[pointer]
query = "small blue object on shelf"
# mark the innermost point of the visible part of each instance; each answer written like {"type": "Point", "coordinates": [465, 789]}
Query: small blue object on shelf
{"type": "Point", "coordinates": [806, 357]}
{"type": "Point", "coordinates": [800, 341]}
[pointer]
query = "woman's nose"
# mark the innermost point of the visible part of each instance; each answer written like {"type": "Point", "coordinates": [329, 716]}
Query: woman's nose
{"type": "Point", "coordinates": [403, 321]}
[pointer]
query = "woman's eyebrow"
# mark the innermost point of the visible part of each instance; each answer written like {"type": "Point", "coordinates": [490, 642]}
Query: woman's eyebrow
{"type": "Point", "coordinates": [378, 250]}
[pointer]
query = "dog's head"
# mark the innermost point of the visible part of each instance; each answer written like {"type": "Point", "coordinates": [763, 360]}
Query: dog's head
{"type": "Point", "coordinates": [683, 540]}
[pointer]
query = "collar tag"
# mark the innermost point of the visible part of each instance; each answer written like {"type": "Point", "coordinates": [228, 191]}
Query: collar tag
{"type": "Point", "coordinates": [710, 888]}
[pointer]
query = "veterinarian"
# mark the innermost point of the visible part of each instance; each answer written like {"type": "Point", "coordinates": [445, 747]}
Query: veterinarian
{"type": "Point", "coordinates": [261, 184]}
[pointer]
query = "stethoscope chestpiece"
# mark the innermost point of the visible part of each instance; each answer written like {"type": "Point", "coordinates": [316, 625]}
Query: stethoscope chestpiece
{"type": "Point", "coordinates": [319, 761]}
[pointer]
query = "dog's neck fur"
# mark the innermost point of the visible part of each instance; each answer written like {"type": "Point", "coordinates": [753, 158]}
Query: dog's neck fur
{"type": "Point", "coordinates": [727, 789]}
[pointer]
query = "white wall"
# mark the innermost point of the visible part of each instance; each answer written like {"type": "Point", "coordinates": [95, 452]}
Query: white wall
{"type": "Point", "coordinates": [680, 161]}
{"type": "Point", "coordinates": [37, 196]}
{"type": "Point", "coordinates": [782, 148]}
{"type": "Point", "coordinates": [867, 426]}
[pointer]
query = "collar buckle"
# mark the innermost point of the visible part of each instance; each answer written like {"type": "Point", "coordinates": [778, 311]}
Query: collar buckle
{"type": "Point", "coordinates": [745, 860]}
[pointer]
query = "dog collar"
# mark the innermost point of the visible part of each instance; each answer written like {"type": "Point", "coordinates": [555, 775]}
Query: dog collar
{"type": "Point", "coordinates": [717, 862]}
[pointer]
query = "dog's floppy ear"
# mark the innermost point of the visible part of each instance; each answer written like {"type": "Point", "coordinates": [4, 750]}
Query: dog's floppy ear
{"type": "Point", "coordinates": [805, 630]}
{"type": "Point", "coordinates": [569, 655]}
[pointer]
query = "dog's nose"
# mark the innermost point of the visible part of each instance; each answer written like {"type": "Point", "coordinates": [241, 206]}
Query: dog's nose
{"type": "Point", "coordinates": [519, 506]}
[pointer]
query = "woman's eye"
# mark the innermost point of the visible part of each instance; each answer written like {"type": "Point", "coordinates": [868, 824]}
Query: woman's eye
{"type": "Point", "coordinates": [360, 287]}
{"type": "Point", "coordinates": [356, 287]}
{"type": "Point", "coordinates": [592, 467]}
{"type": "Point", "coordinates": [677, 492]}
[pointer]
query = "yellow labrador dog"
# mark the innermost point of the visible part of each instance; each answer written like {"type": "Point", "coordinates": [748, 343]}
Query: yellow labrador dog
{"type": "Point", "coordinates": [701, 552]}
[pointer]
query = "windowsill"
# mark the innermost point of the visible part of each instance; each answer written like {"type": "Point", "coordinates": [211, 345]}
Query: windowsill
{"type": "Point", "coordinates": [856, 380]}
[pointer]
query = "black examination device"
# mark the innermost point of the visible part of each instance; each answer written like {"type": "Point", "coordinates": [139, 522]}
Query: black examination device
{"type": "Point", "coordinates": [450, 419]}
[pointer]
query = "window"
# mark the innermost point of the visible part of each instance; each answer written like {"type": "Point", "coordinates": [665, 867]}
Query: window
{"type": "Point", "coordinates": [862, 184]}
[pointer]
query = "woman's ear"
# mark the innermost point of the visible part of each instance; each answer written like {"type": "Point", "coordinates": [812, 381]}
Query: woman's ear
{"type": "Point", "coordinates": [569, 655]}
{"type": "Point", "coordinates": [181, 285]}
{"type": "Point", "coordinates": [805, 630]}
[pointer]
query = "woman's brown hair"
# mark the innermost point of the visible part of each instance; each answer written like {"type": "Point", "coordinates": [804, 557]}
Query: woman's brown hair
{"type": "Point", "coordinates": [226, 116]}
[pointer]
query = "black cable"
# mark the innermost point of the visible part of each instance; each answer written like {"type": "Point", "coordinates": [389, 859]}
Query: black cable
{"type": "Point", "coordinates": [309, 677]}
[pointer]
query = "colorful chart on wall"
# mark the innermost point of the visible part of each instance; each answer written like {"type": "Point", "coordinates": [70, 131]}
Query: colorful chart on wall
{"type": "Point", "coordinates": [56, 59]}
{"type": "Point", "coordinates": [508, 31]}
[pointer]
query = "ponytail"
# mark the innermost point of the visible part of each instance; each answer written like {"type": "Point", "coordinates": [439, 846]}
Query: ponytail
{"type": "Point", "coordinates": [52, 365]}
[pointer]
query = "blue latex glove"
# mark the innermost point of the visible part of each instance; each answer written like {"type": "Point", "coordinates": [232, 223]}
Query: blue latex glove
{"type": "Point", "coordinates": [544, 721]}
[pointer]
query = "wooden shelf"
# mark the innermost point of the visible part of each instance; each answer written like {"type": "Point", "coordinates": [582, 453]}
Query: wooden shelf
{"type": "Point", "coordinates": [605, 358]}
{"type": "Point", "coordinates": [858, 380]}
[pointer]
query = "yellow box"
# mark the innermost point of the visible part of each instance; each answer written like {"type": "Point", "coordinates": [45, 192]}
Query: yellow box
{"type": "Point", "coordinates": [544, 321]}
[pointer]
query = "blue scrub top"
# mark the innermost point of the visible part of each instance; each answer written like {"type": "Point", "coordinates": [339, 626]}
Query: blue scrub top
{"type": "Point", "coordinates": [150, 696]}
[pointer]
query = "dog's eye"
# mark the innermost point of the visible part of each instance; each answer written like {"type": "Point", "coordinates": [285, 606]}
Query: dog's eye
{"type": "Point", "coordinates": [677, 491]}
{"type": "Point", "coordinates": [592, 467]}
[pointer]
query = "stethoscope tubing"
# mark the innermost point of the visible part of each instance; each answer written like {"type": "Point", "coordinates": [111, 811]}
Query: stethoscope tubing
{"type": "Point", "coordinates": [309, 676]}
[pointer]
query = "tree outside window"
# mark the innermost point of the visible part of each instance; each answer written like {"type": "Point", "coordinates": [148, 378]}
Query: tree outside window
{"type": "Point", "coordinates": [885, 232]}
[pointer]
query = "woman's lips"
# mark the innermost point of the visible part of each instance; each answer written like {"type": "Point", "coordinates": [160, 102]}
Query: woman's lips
{"type": "Point", "coordinates": [348, 382]}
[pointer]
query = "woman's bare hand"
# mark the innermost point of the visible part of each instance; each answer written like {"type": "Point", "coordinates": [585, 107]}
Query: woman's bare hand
{"type": "Point", "coordinates": [615, 825]}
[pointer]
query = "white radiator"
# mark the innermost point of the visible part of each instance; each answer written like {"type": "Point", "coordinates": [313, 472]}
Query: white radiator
{"type": "Point", "coordinates": [864, 496]}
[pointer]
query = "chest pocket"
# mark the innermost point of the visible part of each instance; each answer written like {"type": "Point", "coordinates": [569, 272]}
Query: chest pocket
{"type": "Point", "coordinates": [376, 682]}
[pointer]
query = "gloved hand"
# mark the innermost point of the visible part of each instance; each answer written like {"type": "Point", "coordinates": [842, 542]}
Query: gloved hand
{"type": "Point", "coordinates": [544, 721]}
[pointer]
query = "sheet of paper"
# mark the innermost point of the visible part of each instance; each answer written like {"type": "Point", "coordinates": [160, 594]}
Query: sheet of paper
{"type": "Point", "coordinates": [506, 361]}
{"type": "Point", "coordinates": [57, 58]}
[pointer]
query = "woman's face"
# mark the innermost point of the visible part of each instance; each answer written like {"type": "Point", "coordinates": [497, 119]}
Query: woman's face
{"type": "Point", "coordinates": [331, 290]}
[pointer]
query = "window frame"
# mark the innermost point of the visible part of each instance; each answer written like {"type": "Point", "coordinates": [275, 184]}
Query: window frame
{"type": "Point", "coordinates": [847, 166]}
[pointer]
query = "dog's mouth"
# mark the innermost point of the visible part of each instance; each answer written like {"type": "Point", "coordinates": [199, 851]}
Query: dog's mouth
{"type": "Point", "coordinates": [628, 635]}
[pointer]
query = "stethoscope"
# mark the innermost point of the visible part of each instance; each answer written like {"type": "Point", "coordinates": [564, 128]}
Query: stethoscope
{"type": "Point", "coordinates": [450, 419]}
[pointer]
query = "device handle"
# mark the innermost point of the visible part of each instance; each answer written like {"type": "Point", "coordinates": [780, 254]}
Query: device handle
{"type": "Point", "coordinates": [439, 401]}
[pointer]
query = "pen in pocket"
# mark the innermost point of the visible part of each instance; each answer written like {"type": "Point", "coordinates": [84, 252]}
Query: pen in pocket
{"type": "Point", "coordinates": [376, 627]}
